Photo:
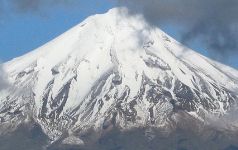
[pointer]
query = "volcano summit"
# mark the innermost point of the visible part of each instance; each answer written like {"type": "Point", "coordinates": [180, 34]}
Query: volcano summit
{"type": "Point", "coordinates": [114, 71]}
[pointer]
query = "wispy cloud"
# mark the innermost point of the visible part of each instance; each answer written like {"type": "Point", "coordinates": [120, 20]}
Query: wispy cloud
{"type": "Point", "coordinates": [3, 79]}
{"type": "Point", "coordinates": [37, 5]}
{"type": "Point", "coordinates": [227, 121]}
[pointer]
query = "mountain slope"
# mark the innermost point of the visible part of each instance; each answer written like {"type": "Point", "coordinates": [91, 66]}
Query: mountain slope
{"type": "Point", "coordinates": [114, 70]}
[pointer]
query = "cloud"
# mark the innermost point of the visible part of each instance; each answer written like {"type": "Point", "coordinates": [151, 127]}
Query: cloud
{"type": "Point", "coordinates": [3, 79]}
{"type": "Point", "coordinates": [26, 6]}
{"type": "Point", "coordinates": [214, 22]}
{"type": "Point", "coordinates": [227, 121]}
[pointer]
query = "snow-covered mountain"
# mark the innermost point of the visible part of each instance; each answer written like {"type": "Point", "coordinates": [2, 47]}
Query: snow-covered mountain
{"type": "Point", "coordinates": [114, 70]}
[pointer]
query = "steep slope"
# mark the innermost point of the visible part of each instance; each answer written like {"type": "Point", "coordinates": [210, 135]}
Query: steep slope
{"type": "Point", "coordinates": [114, 70]}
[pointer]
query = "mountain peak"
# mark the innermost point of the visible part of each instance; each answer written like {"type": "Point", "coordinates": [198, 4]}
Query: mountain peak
{"type": "Point", "coordinates": [114, 70]}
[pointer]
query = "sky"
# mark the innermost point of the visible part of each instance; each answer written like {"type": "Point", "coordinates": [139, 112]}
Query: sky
{"type": "Point", "coordinates": [28, 24]}
{"type": "Point", "coordinates": [24, 30]}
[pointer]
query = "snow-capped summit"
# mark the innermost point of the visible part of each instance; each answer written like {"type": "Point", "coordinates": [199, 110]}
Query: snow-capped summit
{"type": "Point", "coordinates": [114, 70]}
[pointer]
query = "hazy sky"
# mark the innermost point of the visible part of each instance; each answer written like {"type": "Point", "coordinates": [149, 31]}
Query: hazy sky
{"type": "Point", "coordinates": [27, 24]}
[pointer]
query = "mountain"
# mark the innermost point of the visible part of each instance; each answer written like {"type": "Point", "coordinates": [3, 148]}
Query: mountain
{"type": "Point", "coordinates": [114, 70]}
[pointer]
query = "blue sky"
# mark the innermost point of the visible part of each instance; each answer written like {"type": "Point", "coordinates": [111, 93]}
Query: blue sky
{"type": "Point", "coordinates": [23, 31]}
